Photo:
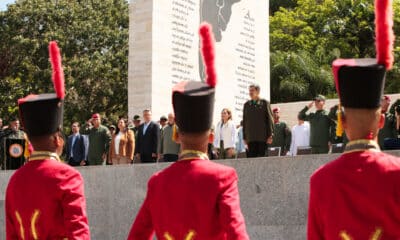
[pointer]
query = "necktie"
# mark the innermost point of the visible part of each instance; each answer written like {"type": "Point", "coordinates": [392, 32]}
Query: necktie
{"type": "Point", "coordinates": [72, 145]}
{"type": "Point", "coordinates": [145, 128]}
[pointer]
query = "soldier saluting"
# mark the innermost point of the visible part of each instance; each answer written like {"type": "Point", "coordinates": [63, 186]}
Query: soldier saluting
{"type": "Point", "coordinates": [44, 198]}
{"type": "Point", "coordinates": [194, 198]}
{"type": "Point", "coordinates": [357, 195]}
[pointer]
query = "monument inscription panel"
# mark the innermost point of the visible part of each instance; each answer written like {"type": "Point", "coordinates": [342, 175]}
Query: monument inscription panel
{"type": "Point", "coordinates": [240, 29]}
{"type": "Point", "coordinates": [182, 43]}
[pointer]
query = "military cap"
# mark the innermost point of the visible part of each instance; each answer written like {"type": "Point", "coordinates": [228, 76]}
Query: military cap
{"type": "Point", "coordinates": [193, 101]}
{"type": "Point", "coordinates": [43, 114]}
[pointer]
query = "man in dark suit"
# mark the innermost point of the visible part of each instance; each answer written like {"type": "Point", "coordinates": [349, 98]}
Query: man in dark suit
{"type": "Point", "coordinates": [147, 139]}
{"type": "Point", "coordinates": [76, 147]}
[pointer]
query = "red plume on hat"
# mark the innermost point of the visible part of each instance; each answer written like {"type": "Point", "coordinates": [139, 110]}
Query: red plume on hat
{"type": "Point", "coordinates": [58, 73]}
{"type": "Point", "coordinates": [208, 52]}
{"type": "Point", "coordinates": [384, 32]}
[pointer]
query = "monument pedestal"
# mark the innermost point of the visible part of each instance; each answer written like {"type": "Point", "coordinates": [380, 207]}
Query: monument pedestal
{"type": "Point", "coordinates": [164, 50]}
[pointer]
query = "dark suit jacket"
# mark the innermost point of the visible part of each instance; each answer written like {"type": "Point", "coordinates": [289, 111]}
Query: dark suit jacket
{"type": "Point", "coordinates": [257, 121]}
{"type": "Point", "coordinates": [79, 151]}
{"type": "Point", "coordinates": [148, 143]}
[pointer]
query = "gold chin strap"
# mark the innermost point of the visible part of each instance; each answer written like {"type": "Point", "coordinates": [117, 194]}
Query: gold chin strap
{"type": "Point", "coordinates": [41, 155]}
{"type": "Point", "coordinates": [192, 154]}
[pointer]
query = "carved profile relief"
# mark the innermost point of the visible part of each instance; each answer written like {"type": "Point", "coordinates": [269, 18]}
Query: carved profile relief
{"type": "Point", "coordinates": [217, 13]}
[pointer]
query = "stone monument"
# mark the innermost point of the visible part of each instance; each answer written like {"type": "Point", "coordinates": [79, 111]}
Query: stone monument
{"type": "Point", "coordinates": [164, 50]}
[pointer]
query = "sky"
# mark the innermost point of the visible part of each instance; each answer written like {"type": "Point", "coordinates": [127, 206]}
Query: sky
{"type": "Point", "coordinates": [3, 4]}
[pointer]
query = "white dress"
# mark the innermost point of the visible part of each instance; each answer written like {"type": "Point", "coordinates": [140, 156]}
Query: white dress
{"type": "Point", "coordinates": [300, 137]}
{"type": "Point", "coordinates": [116, 142]}
{"type": "Point", "coordinates": [226, 133]}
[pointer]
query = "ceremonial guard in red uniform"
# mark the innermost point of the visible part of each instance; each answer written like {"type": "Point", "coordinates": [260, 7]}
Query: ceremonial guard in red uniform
{"type": "Point", "coordinates": [194, 198]}
{"type": "Point", "coordinates": [357, 196]}
{"type": "Point", "coordinates": [44, 198]}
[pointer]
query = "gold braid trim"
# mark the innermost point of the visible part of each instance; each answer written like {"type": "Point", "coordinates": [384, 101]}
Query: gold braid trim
{"type": "Point", "coordinates": [192, 154]}
{"type": "Point", "coordinates": [41, 155]}
{"type": "Point", "coordinates": [34, 219]}
{"type": "Point", "coordinates": [362, 145]}
{"type": "Point", "coordinates": [21, 226]}
{"type": "Point", "coordinates": [377, 234]}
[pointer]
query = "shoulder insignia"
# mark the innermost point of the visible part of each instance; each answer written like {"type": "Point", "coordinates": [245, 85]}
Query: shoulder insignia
{"type": "Point", "coordinates": [376, 235]}
{"type": "Point", "coordinates": [189, 236]}
{"type": "Point", "coordinates": [34, 220]}
{"type": "Point", "coordinates": [21, 225]}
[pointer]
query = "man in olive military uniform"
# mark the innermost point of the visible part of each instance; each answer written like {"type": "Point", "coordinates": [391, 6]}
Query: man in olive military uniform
{"type": "Point", "coordinates": [321, 125]}
{"type": "Point", "coordinates": [389, 129]}
{"type": "Point", "coordinates": [257, 123]}
{"type": "Point", "coordinates": [282, 135]}
{"type": "Point", "coordinates": [136, 123]}
{"type": "Point", "coordinates": [99, 141]}
{"type": "Point", "coordinates": [13, 146]}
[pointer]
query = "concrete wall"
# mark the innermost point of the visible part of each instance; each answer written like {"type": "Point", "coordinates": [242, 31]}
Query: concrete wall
{"type": "Point", "coordinates": [273, 191]}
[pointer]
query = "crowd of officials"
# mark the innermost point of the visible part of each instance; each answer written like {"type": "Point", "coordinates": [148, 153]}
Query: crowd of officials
{"type": "Point", "coordinates": [142, 140]}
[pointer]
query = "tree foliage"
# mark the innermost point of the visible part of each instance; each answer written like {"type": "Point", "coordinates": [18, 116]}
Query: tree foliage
{"type": "Point", "coordinates": [93, 37]}
{"type": "Point", "coordinates": [298, 76]}
{"type": "Point", "coordinates": [275, 5]}
{"type": "Point", "coordinates": [316, 33]}
{"type": "Point", "coordinates": [305, 36]}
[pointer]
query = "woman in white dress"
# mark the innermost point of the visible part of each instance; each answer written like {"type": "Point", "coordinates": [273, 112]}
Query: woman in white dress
{"type": "Point", "coordinates": [225, 136]}
{"type": "Point", "coordinates": [300, 136]}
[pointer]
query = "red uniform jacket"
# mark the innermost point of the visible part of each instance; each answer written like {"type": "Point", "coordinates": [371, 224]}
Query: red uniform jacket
{"type": "Point", "coordinates": [356, 197]}
{"type": "Point", "coordinates": [45, 200]}
{"type": "Point", "coordinates": [191, 199]}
